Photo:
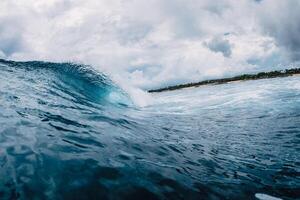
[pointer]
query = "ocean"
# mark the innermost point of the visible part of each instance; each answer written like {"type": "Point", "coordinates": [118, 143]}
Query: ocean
{"type": "Point", "coordinates": [68, 132]}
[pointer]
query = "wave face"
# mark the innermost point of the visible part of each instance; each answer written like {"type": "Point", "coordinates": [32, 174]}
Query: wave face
{"type": "Point", "coordinates": [67, 132]}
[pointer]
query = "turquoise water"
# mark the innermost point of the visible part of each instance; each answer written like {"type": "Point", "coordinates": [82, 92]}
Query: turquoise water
{"type": "Point", "coordinates": [68, 132]}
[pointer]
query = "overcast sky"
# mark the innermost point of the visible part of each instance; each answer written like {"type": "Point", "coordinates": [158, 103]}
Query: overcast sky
{"type": "Point", "coordinates": [154, 43]}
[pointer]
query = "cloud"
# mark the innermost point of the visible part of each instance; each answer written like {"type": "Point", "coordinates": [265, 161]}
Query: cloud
{"type": "Point", "coordinates": [11, 39]}
{"type": "Point", "coordinates": [151, 43]}
{"type": "Point", "coordinates": [280, 21]}
{"type": "Point", "coordinates": [219, 44]}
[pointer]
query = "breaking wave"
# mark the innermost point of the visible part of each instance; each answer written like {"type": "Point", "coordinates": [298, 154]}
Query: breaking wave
{"type": "Point", "coordinates": [68, 132]}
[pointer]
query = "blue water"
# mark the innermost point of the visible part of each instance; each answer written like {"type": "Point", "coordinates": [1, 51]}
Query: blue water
{"type": "Point", "coordinates": [68, 132]}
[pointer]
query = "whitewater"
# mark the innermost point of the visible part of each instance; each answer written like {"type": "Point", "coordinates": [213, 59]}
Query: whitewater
{"type": "Point", "coordinates": [68, 132]}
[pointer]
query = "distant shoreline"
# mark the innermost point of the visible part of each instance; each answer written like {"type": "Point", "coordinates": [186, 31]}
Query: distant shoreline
{"type": "Point", "coordinates": [244, 77]}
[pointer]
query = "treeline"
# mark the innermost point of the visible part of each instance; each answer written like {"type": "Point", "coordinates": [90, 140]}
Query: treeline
{"type": "Point", "coordinates": [261, 75]}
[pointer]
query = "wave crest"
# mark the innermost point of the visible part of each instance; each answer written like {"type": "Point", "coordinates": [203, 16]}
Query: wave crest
{"type": "Point", "coordinates": [76, 80]}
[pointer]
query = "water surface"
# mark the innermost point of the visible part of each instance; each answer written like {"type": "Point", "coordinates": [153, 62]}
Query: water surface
{"type": "Point", "coordinates": [68, 132]}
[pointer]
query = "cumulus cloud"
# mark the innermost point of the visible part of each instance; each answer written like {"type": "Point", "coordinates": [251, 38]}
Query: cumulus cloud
{"type": "Point", "coordinates": [219, 44]}
{"type": "Point", "coordinates": [152, 43]}
{"type": "Point", "coordinates": [11, 39]}
{"type": "Point", "coordinates": [281, 21]}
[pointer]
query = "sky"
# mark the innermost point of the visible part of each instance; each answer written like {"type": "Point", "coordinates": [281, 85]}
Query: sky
{"type": "Point", "coordinates": [149, 44]}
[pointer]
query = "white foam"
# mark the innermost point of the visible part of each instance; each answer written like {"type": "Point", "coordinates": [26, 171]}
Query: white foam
{"type": "Point", "coordinates": [262, 196]}
{"type": "Point", "coordinates": [139, 97]}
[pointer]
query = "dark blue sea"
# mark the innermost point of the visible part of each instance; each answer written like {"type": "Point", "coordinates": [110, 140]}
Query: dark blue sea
{"type": "Point", "coordinates": [68, 132]}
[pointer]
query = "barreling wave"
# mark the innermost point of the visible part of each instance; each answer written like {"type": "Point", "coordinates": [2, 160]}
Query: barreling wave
{"type": "Point", "coordinates": [75, 80]}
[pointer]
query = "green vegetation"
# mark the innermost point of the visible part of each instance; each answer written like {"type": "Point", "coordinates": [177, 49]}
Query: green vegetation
{"type": "Point", "coordinates": [244, 77]}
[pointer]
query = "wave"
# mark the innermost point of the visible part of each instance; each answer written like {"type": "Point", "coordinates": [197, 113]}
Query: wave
{"type": "Point", "coordinates": [77, 80]}
{"type": "Point", "coordinates": [68, 131]}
